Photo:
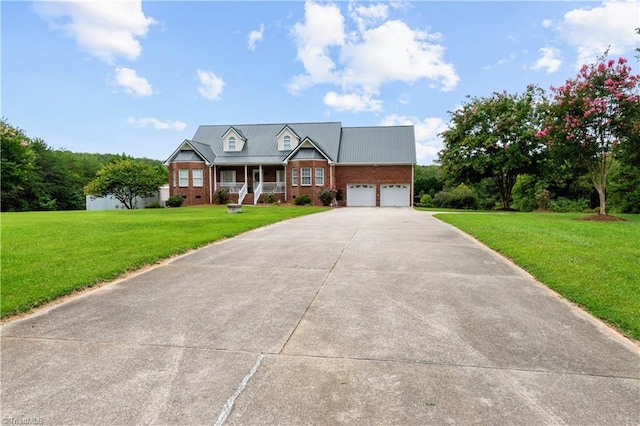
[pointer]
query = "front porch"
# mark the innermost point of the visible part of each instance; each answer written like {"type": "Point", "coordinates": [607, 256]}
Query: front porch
{"type": "Point", "coordinates": [248, 184]}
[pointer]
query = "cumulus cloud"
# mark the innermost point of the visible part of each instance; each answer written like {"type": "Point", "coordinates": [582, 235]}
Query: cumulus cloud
{"type": "Point", "coordinates": [131, 82]}
{"type": "Point", "coordinates": [592, 30]}
{"type": "Point", "coordinates": [550, 61]}
{"type": "Point", "coordinates": [362, 59]}
{"type": "Point", "coordinates": [106, 30]}
{"type": "Point", "coordinates": [210, 85]}
{"type": "Point", "coordinates": [352, 102]}
{"type": "Point", "coordinates": [254, 37]}
{"type": "Point", "coordinates": [157, 124]}
{"type": "Point", "coordinates": [428, 140]}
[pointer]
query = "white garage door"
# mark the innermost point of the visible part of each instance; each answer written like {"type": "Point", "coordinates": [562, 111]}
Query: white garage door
{"type": "Point", "coordinates": [395, 195]}
{"type": "Point", "coordinates": [361, 195]}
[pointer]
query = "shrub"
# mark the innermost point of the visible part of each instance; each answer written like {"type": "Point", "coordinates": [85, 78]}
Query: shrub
{"type": "Point", "coordinates": [221, 196]}
{"type": "Point", "coordinates": [327, 195]}
{"type": "Point", "coordinates": [462, 197]}
{"type": "Point", "coordinates": [301, 200]}
{"type": "Point", "coordinates": [543, 199]}
{"type": "Point", "coordinates": [269, 198]}
{"type": "Point", "coordinates": [339, 194]}
{"type": "Point", "coordinates": [175, 201]}
{"type": "Point", "coordinates": [426, 200]}
{"type": "Point", "coordinates": [566, 205]}
{"type": "Point", "coordinates": [154, 205]}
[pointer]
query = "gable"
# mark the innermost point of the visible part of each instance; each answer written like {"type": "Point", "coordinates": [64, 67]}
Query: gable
{"type": "Point", "coordinates": [233, 140]}
{"type": "Point", "coordinates": [287, 139]}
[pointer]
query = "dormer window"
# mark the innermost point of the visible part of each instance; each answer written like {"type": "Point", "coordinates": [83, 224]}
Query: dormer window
{"type": "Point", "coordinates": [233, 140]}
{"type": "Point", "coordinates": [287, 139]}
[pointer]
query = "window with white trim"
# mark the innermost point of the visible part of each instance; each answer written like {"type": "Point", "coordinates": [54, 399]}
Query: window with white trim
{"type": "Point", "coordinates": [305, 176]}
{"type": "Point", "coordinates": [319, 176]}
{"type": "Point", "coordinates": [175, 177]}
{"type": "Point", "coordinates": [286, 142]}
{"type": "Point", "coordinates": [232, 143]}
{"type": "Point", "coordinates": [196, 175]}
{"type": "Point", "coordinates": [183, 177]}
{"type": "Point", "coordinates": [294, 176]}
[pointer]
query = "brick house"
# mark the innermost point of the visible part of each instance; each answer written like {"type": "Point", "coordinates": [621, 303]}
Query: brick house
{"type": "Point", "coordinates": [370, 166]}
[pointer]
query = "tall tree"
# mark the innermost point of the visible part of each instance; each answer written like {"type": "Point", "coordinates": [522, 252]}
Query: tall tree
{"type": "Point", "coordinates": [494, 138]}
{"type": "Point", "coordinates": [126, 179]}
{"type": "Point", "coordinates": [594, 119]}
{"type": "Point", "coordinates": [16, 166]}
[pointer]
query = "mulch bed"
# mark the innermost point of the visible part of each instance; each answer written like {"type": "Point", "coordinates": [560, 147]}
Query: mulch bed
{"type": "Point", "coordinates": [603, 218]}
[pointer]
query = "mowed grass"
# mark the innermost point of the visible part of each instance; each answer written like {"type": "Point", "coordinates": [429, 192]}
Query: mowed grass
{"type": "Point", "coordinates": [593, 264]}
{"type": "Point", "coordinates": [46, 255]}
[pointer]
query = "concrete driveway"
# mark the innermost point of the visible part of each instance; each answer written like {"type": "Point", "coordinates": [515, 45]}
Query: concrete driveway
{"type": "Point", "coordinates": [353, 316]}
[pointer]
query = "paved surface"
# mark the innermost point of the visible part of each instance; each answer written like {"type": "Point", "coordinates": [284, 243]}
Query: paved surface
{"type": "Point", "coordinates": [353, 316]}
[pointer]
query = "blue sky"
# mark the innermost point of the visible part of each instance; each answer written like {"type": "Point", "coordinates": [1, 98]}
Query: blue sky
{"type": "Point", "coordinates": [139, 77]}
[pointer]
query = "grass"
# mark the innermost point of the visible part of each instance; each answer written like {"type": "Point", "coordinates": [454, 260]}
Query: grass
{"type": "Point", "coordinates": [46, 255]}
{"type": "Point", "coordinates": [596, 265]}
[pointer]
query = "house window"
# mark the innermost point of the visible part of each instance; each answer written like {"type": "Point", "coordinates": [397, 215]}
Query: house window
{"type": "Point", "coordinates": [183, 177]}
{"type": "Point", "coordinates": [175, 177]}
{"type": "Point", "coordinates": [197, 177]}
{"type": "Point", "coordinates": [305, 176]}
{"type": "Point", "coordinates": [319, 176]}
{"type": "Point", "coordinates": [294, 176]}
{"type": "Point", "coordinates": [232, 143]}
{"type": "Point", "coordinates": [228, 176]}
{"type": "Point", "coordinates": [279, 175]}
{"type": "Point", "coordinates": [286, 144]}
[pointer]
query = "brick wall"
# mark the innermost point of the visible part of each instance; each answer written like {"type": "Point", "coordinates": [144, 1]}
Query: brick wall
{"type": "Point", "coordinates": [312, 190]}
{"type": "Point", "coordinates": [371, 174]}
{"type": "Point", "coordinates": [192, 195]}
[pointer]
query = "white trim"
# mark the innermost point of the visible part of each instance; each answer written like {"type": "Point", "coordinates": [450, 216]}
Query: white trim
{"type": "Point", "coordinates": [201, 178]}
{"type": "Point", "coordinates": [180, 185]}
{"type": "Point", "coordinates": [315, 175]}
{"type": "Point", "coordinates": [310, 176]}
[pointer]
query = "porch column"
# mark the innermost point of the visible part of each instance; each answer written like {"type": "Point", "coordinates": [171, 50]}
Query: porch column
{"type": "Point", "coordinates": [260, 168]}
{"type": "Point", "coordinates": [246, 182]}
{"type": "Point", "coordinates": [285, 183]}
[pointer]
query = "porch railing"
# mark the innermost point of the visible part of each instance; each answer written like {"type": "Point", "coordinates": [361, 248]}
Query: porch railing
{"type": "Point", "coordinates": [273, 187]}
{"type": "Point", "coordinates": [257, 191]}
{"type": "Point", "coordinates": [232, 187]}
{"type": "Point", "coordinates": [242, 193]}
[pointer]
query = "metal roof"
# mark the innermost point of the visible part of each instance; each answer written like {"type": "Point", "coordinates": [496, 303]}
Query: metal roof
{"type": "Point", "coordinates": [307, 154]}
{"type": "Point", "coordinates": [378, 145]}
{"type": "Point", "coordinates": [262, 141]}
{"type": "Point", "coordinates": [187, 155]}
{"type": "Point", "coordinates": [348, 145]}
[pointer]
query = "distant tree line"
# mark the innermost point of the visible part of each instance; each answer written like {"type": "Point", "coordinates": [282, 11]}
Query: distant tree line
{"type": "Point", "coordinates": [575, 149]}
{"type": "Point", "coordinates": [36, 177]}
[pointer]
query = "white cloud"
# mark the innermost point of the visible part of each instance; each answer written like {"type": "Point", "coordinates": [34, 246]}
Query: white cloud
{"type": "Point", "coordinates": [133, 84]}
{"type": "Point", "coordinates": [254, 37]}
{"type": "Point", "coordinates": [157, 124]}
{"type": "Point", "coordinates": [550, 60]}
{"type": "Point", "coordinates": [352, 102]}
{"type": "Point", "coordinates": [428, 140]}
{"type": "Point", "coordinates": [592, 30]}
{"type": "Point", "coordinates": [547, 23]}
{"type": "Point", "coordinates": [360, 61]}
{"type": "Point", "coordinates": [210, 85]}
{"type": "Point", "coordinates": [106, 30]}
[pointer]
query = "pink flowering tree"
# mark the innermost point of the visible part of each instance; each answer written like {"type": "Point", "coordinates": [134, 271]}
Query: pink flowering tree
{"type": "Point", "coordinates": [593, 118]}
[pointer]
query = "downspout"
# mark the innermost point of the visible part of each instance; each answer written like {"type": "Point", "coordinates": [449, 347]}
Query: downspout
{"type": "Point", "coordinates": [413, 180]}
{"type": "Point", "coordinates": [210, 185]}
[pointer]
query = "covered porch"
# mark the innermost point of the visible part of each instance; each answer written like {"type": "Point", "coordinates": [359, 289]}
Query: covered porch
{"type": "Point", "coordinates": [247, 183]}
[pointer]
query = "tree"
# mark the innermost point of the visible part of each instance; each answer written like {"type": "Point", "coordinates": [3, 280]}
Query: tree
{"type": "Point", "coordinates": [125, 179]}
{"type": "Point", "coordinates": [594, 119]}
{"type": "Point", "coordinates": [494, 138]}
{"type": "Point", "coordinates": [16, 165]}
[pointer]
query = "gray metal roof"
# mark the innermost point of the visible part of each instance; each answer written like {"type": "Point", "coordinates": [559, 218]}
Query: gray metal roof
{"type": "Point", "coordinates": [378, 145]}
{"type": "Point", "coordinates": [348, 145]}
{"type": "Point", "coordinates": [187, 155]}
{"type": "Point", "coordinates": [307, 154]}
{"type": "Point", "coordinates": [261, 139]}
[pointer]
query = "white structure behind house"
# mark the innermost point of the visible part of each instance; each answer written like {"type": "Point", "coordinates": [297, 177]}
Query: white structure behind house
{"type": "Point", "coordinates": [111, 203]}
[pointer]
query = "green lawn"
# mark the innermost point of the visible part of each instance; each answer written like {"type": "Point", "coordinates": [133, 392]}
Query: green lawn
{"type": "Point", "coordinates": [593, 264]}
{"type": "Point", "coordinates": [49, 254]}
